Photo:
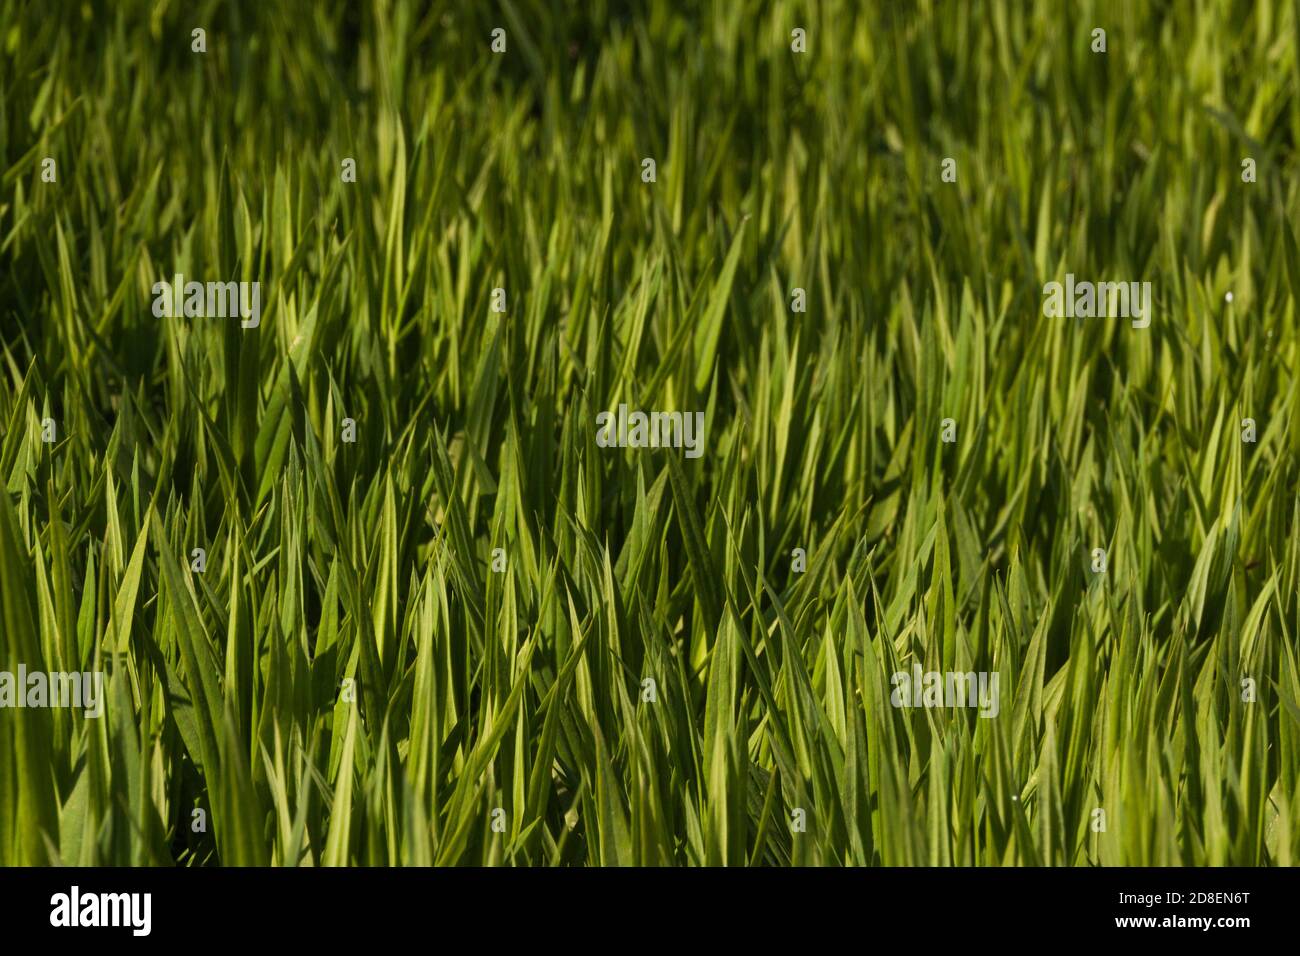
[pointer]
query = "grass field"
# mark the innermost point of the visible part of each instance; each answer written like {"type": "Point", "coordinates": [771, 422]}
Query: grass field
{"type": "Point", "coordinates": [433, 599]}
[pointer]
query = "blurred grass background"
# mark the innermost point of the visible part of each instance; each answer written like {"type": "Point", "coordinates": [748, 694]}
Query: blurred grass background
{"type": "Point", "coordinates": [371, 562]}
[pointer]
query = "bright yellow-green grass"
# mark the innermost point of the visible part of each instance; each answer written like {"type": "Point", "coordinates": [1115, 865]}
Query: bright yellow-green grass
{"type": "Point", "coordinates": [434, 597]}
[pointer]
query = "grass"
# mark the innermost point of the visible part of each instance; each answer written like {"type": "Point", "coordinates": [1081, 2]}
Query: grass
{"type": "Point", "coordinates": [369, 565]}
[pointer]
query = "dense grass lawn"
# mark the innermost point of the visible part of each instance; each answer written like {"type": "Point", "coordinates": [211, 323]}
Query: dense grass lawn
{"type": "Point", "coordinates": [653, 436]}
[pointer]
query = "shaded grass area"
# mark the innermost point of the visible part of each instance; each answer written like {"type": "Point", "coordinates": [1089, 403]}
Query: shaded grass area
{"type": "Point", "coordinates": [350, 682]}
